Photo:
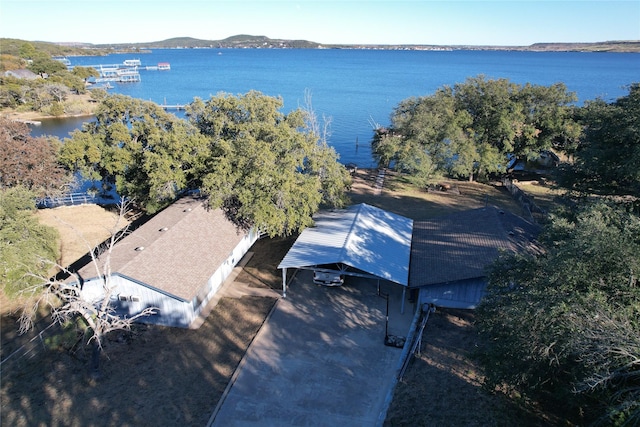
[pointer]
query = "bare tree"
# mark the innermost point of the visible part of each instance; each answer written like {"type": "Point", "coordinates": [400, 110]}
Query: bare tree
{"type": "Point", "coordinates": [65, 299]}
{"type": "Point", "coordinates": [321, 129]}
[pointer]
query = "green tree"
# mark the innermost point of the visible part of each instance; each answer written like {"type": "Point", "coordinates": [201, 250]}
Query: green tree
{"type": "Point", "coordinates": [85, 73]}
{"type": "Point", "coordinates": [476, 127]}
{"type": "Point", "coordinates": [608, 154]}
{"type": "Point", "coordinates": [27, 248]}
{"type": "Point", "coordinates": [266, 169]}
{"type": "Point", "coordinates": [43, 64]}
{"type": "Point", "coordinates": [150, 155]}
{"type": "Point", "coordinates": [27, 51]}
{"type": "Point", "coordinates": [558, 324]}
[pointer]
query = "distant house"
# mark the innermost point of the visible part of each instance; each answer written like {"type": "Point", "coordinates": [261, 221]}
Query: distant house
{"type": "Point", "coordinates": [450, 254]}
{"type": "Point", "coordinates": [175, 262]}
{"type": "Point", "coordinates": [22, 74]}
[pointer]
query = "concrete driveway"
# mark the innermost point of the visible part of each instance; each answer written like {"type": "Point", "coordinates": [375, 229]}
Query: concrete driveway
{"type": "Point", "coordinates": [320, 358]}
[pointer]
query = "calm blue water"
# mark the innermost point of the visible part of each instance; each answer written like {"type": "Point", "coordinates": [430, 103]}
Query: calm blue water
{"type": "Point", "coordinates": [356, 88]}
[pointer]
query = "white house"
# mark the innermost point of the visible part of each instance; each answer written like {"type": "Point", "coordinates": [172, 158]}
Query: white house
{"type": "Point", "coordinates": [175, 262]}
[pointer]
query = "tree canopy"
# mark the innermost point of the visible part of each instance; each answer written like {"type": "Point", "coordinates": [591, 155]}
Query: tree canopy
{"type": "Point", "coordinates": [566, 323]}
{"type": "Point", "coordinates": [475, 128]}
{"type": "Point", "coordinates": [607, 157]}
{"type": "Point", "coordinates": [27, 248]}
{"type": "Point", "coordinates": [264, 168]}
{"type": "Point", "coordinates": [150, 155]}
{"type": "Point", "coordinates": [30, 162]}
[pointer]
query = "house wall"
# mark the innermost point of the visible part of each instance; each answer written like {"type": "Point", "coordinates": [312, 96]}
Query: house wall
{"type": "Point", "coordinates": [129, 298]}
{"type": "Point", "coordinates": [222, 273]}
{"type": "Point", "coordinates": [465, 294]}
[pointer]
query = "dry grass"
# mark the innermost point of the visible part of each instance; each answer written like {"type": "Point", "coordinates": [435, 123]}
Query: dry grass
{"type": "Point", "coordinates": [443, 385]}
{"type": "Point", "coordinates": [81, 228]}
{"type": "Point", "coordinates": [154, 376]}
{"type": "Point", "coordinates": [401, 197]}
{"type": "Point", "coordinates": [545, 195]}
{"type": "Point", "coordinates": [74, 106]}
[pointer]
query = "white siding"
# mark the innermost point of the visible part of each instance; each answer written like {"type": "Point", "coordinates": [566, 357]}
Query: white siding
{"type": "Point", "coordinates": [129, 297]}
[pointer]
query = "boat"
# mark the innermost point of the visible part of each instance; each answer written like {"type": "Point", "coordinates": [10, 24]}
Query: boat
{"type": "Point", "coordinates": [164, 66]}
{"type": "Point", "coordinates": [132, 63]}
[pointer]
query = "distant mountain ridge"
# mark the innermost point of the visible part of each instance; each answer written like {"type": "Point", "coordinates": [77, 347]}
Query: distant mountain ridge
{"type": "Point", "coordinates": [262, 42]}
{"type": "Point", "coordinates": [238, 41]}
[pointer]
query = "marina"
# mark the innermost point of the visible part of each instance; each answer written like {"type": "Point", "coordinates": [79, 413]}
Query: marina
{"type": "Point", "coordinates": [126, 72]}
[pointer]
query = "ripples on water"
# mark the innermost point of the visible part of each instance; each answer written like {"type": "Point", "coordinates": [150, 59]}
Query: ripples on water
{"type": "Point", "coordinates": [356, 88]}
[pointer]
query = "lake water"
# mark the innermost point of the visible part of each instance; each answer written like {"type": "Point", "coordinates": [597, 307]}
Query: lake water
{"type": "Point", "coordinates": [355, 88]}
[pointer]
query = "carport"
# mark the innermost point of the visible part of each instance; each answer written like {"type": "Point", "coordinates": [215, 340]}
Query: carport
{"type": "Point", "coordinates": [361, 240]}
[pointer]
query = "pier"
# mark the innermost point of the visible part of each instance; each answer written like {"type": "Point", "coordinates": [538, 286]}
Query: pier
{"type": "Point", "coordinates": [174, 107]}
{"type": "Point", "coordinates": [126, 72]}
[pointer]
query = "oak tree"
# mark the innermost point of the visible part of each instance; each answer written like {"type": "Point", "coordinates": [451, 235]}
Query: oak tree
{"type": "Point", "coordinates": [27, 248]}
{"type": "Point", "coordinates": [150, 155]}
{"type": "Point", "coordinates": [564, 324]}
{"type": "Point", "coordinates": [265, 168]}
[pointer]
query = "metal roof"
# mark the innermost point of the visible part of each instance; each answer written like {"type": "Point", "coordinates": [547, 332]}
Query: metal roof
{"type": "Point", "coordinates": [362, 236]}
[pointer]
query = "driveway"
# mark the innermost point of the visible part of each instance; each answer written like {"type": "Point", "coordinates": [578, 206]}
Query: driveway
{"type": "Point", "coordinates": [320, 358]}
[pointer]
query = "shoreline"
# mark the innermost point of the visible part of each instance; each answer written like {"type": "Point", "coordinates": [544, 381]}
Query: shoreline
{"type": "Point", "coordinates": [83, 103]}
{"type": "Point", "coordinates": [35, 116]}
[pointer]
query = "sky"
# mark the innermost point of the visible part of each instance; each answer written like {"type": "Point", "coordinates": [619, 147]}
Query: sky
{"type": "Point", "coordinates": [472, 22]}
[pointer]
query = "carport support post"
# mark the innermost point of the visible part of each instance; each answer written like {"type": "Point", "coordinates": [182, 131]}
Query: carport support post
{"type": "Point", "coordinates": [284, 282]}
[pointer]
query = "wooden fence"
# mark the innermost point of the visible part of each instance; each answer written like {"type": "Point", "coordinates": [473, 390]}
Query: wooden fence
{"type": "Point", "coordinates": [535, 212]}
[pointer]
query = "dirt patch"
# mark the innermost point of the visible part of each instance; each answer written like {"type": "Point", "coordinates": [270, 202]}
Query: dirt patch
{"type": "Point", "coordinates": [262, 270]}
{"type": "Point", "coordinates": [153, 376]}
{"type": "Point", "coordinates": [402, 198]}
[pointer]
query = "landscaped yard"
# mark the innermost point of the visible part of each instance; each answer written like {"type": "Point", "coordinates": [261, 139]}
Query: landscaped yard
{"type": "Point", "coordinates": [166, 376]}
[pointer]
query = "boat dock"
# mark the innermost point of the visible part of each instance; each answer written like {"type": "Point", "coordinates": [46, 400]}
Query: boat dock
{"type": "Point", "coordinates": [126, 72]}
{"type": "Point", "coordinates": [174, 107]}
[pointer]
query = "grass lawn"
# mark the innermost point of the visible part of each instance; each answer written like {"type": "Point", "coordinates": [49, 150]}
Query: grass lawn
{"type": "Point", "coordinates": [167, 376]}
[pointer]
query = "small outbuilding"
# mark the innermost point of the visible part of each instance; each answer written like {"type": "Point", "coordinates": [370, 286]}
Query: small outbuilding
{"type": "Point", "coordinates": [450, 254]}
{"type": "Point", "coordinates": [175, 262]}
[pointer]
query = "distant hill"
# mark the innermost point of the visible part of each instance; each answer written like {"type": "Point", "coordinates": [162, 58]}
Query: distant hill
{"type": "Point", "coordinates": [239, 41]}
{"type": "Point", "coordinates": [610, 46]}
{"type": "Point", "coordinates": [263, 42]}
{"type": "Point", "coordinates": [12, 47]}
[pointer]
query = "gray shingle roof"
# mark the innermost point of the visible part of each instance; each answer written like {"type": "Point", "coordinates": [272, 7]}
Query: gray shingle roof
{"type": "Point", "coordinates": [184, 245]}
{"type": "Point", "coordinates": [22, 74]}
{"type": "Point", "coordinates": [462, 245]}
